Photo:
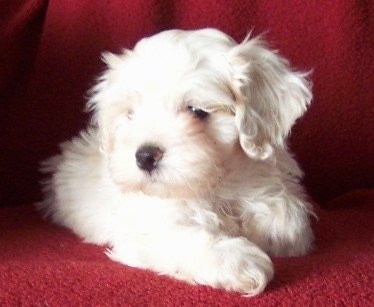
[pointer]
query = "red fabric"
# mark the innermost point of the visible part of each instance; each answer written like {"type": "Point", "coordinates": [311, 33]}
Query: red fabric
{"type": "Point", "coordinates": [21, 24]}
{"type": "Point", "coordinates": [41, 264]}
{"type": "Point", "coordinates": [49, 55]}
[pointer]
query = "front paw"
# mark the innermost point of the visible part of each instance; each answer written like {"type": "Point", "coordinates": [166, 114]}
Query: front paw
{"type": "Point", "coordinates": [235, 264]}
{"type": "Point", "coordinates": [244, 267]}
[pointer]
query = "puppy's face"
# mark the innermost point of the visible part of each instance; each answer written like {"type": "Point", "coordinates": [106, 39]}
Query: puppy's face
{"type": "Point", "coordinates": [173, 112]}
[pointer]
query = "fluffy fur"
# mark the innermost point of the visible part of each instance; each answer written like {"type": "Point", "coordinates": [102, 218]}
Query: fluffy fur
{"type": "Point", "coordinates": [225, 193]}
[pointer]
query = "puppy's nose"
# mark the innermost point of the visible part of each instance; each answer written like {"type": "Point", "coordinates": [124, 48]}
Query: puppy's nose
{"type": "Point", "coordinates": [148, 156]}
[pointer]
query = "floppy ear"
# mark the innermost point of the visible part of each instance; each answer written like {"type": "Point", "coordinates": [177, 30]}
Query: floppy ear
{"type": "Point", "coordinates": [269, 97]}
{"type": "Point", "coordinates": [103, 101]}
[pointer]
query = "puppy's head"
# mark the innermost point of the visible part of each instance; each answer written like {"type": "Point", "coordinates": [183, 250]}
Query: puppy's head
{"type": "Point", "coordinates": [173, 111]}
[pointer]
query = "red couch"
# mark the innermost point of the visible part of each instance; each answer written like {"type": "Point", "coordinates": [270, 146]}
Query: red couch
{"type": "Point", "coordinates": [49, 55]}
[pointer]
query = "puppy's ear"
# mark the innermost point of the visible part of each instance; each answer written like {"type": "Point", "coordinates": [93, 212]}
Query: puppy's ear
{"type": "Point", "coordinates": [103, 97]}
{"type": "Point", "coordinates": [269, 97]}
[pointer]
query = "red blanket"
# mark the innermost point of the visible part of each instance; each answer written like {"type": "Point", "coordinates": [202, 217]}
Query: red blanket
{"type": "Point", "coordinates": [41, 264]}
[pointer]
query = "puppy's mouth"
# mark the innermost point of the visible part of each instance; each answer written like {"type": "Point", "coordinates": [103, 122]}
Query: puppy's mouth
{"type": "Point", "coordinates": [154, 176]}
{"type": "Point", "coordinates": [164, 191]}
{"type": "Point", "coordinates": [163, 182]}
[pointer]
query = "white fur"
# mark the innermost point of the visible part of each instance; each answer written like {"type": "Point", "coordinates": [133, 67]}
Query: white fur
{"type": "Point", "coordinates": [226, 192]}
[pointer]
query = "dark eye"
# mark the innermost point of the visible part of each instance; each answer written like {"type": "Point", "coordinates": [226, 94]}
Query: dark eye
{"type": "Point", "coordinates": [130, 114]}
{"type": "Point", "coordinates": [198, 112]}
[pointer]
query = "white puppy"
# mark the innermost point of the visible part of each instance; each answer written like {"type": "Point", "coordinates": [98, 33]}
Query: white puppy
{"type": "Point", "coordinates": [185, 170]}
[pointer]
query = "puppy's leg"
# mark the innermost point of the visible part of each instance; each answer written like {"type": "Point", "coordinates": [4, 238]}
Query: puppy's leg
{"type": "Point", "coordinates": [279, 224]}
{"type": "Point", "coordinates": [197, 256]}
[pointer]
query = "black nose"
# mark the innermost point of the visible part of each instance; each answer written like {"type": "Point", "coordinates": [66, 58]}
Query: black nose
{"type": "Point", "coordinates": [148, 156]}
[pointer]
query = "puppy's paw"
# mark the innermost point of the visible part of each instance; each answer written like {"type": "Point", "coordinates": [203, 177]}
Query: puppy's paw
{"type": "Point", "coordinates": [235, 264]}
{"type": "Point", "coordinates": [244, 267]}
{"type": "Point", "coordinates": [249, 276]}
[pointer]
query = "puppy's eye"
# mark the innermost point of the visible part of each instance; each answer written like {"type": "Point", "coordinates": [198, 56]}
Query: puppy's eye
{"type": "Point", "coordinates": [197, 112]}
{"type": "Point", "coordinates": [130, 114]}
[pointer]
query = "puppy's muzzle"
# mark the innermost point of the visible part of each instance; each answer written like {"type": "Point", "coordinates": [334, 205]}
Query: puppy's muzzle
{"type": "Point", "coordinates": [148, 156]}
